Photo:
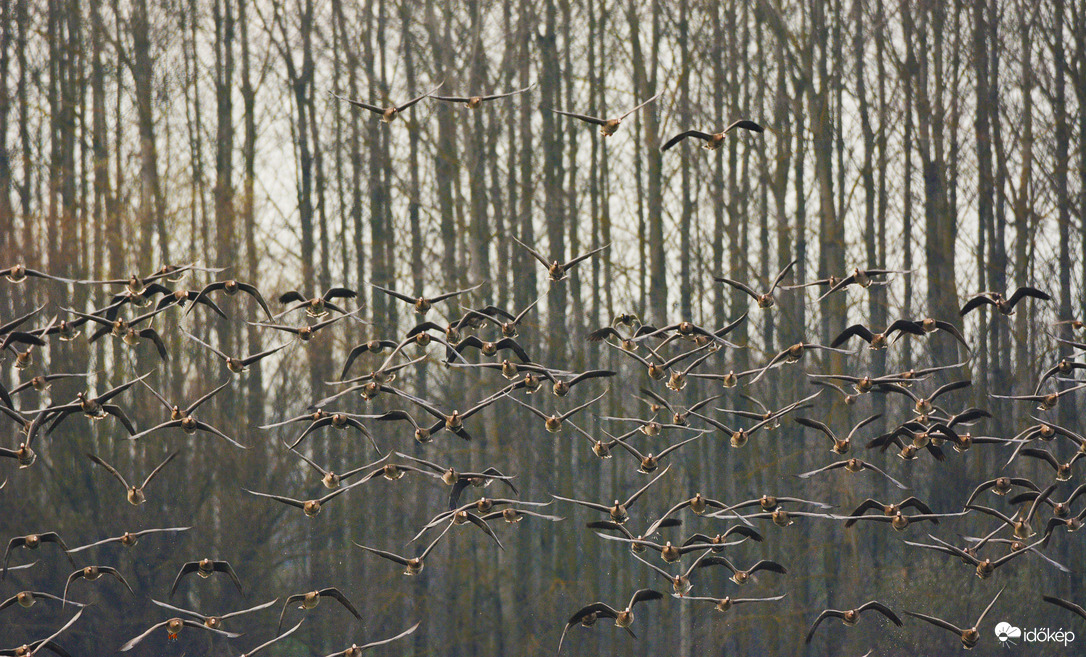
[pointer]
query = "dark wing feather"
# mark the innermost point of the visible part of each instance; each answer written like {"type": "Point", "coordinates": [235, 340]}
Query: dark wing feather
{"type": "Point", "coordinates": [535, 254]}
{"type": "Point", "coordinates": [335, 593]}
{"type": "Point", "coordinates": [1066, 604]}
{"type": "Point", "coordinates": [601, 334]}
{"type": "Point", "coordinates": [882, 609]}
{"type": "Point", "coordinates": [156, 470]}
{"type": "Point", "coordinates": [854, 330]}
{"type": "Point", "coordinates": [393, 293]}
{"type": "Point", "coordinates": [249, 360]}
{"type": "Point", "coordinates": [743, 287]}
{"type": "Point", "coordinates": [782, 274]}
{"type": "Point", "coordinates": [356, 103]}
{"type": "Point", "coordinates": [904, 326]}
{"type": "Point", "coordinates": [225, 567]}
{"type": "Point", "coordinates": [831, 466]}
{"type": "Point", "coordinates": [384, 554]}
{"type": "Point", "coordinates": [189, 567]}
{"type": "Point", "coordinates": [109, 468]}
{"type": "Point", "coordinates": [278, 498]}
{"type": "Point", "coordinates": [697, 134]}
{"type": "Point", "coordinates": [118, 413]}
{"type": "Point", "coordinates": [977, 302]}
{"type": "Point", "coordinates": [953, 330]}
{"type": "Point", "coordinates": [108, 570]}
{"type": "Point", "coordinates": [770, 566]}
{"type": "Point", "coordinates": [400, 108]}
{"type": "Point", "coordinates": [199, 402]}
{"type": "Point", "coordinates": [644, 595]}
{"type": "Point", "coordinates": [918, 505]}
{"type": "Point", "coordinates": [815, 424]}
{"type": "Point", "coordinates": [1023, 292]}
{"type": "Point", "coordinates": [828, 613]}
{"type": "Point", "coordinates": [583, 117]}
{"type": "Point", "coordinates": [585, 256]}
{"type": "Point", "coordinates": [745, 124]}
{"type": "Point", "coordinates": [294, 295]}
{"type": "Point", "coordinates": [633, 498]}
{"type": "Point", "coordinates": [938, 622]}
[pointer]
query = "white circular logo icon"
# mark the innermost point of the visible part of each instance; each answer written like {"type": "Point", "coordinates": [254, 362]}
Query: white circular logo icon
{"type": "Point", "coordinates": [1005, 632]}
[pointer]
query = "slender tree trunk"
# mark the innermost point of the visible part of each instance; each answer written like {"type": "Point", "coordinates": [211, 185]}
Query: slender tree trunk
{"type": "Point", "coordinates": [939, 229]}
{"type": "Point", "coordinates": [414, 193]}
{"type": "Point", "coordinates": [151, 212]}
{"type": "Point", "coordinates": [7, 208]}
{"type": "Point", "coordinates": [644, 74]}
{"type": "Point", "coordinates": [1024, 212]}
{"type": "Point", "coordinates": [907, 74]}
{"type": "Point", "coordinates": [1078, 17]}
{"type": "Point", "coordinates": [686, 302]}
{"type": "Point", "coordinates": [446, 158]}
{"type": "Point", "coordinates": [255, 381]}
{"type": "Point", "coordinates": [104, 206]}
{"type": "Point", "coordinates": [981, 124]}
{"type": "Point", "coordinates": [522, 262]}
{"type": "Point", "coordinates": [223, 190]}
{"type": "Point", "coordinates": [997, 260]}
{"type": "Point", "coordinates": [720, 292]}
{"type": "Point", "coordinates": [1063, 201]}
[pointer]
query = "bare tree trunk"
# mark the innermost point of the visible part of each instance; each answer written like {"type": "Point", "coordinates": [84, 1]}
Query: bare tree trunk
{"type": "Point", "coordinates": [479, 242]}
{"type": "Point", "coordinates": [320, 359]}
{"type": "Point", "coordinates": [22, 92]}
{"type": "Point", "coordinates": [151, 212]}
{"type": "Point", "coordinates": [446, 159]}
{"type": "Point", "coordinates": [737, 257]}
{"type": "Point", "coordinates": [377, 88]}
{"type": "Point", "coordinates": [103, 199]}
{"type": "Point", "coordinates": [762, 182]}
{"type": "Point", "coordinates": [414, 193]}
{"type": "Point", "coordinates": [939, 229]}
{"type": "Point", "coordinates": [1078, 21]}
{"type": "Point", "coordinates": [1024, 212]}
{"type": "Point", "coordinates": [505, 181]}
{"type": "Point", "coordinates": [223, 15]}
{"type": "Point", "coordinates": [255, 382]}
{"type": "Point", "coordinates": [720, 292]}
{"type": "Point", "coordinates": [908, 74]}
{"type": "Point", "coordinates": [686, 303]}
{"type": "Point", "coordinates": [645, 77]}
{"type": "Point", "coordinates": [997, 268]}
{"type": "Point", "coordinates": [300, 80]}
{"type": "Point", "coordinates": [575, 329]}
{"type": "Point", "coordinates": [526, 291]}
{"type": "Point", "coordinates": [200, 219]}
{"type": "Point", "coordinates": [62, 220]}
{"type": "Point", "coordinates": [867, 172]}
{"type": "Point", "coordinates": [553, 173]}
{"type": "Point", "coordinates": [7, 209]}
{"type": "Point", "coordinates": [1063, 202]}
{"type": "Point", "coordinates": [985, 193]}
{"type": "Point", "coordinates": [831, 250]}
{"type": "Point", "coordinates": [223, 190]}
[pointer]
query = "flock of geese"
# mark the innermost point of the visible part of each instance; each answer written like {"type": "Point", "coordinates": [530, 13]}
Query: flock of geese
{"type": "Point", "coordinates": [608, 126]}
{"type": "Point", "coordinates": [481, 338]}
